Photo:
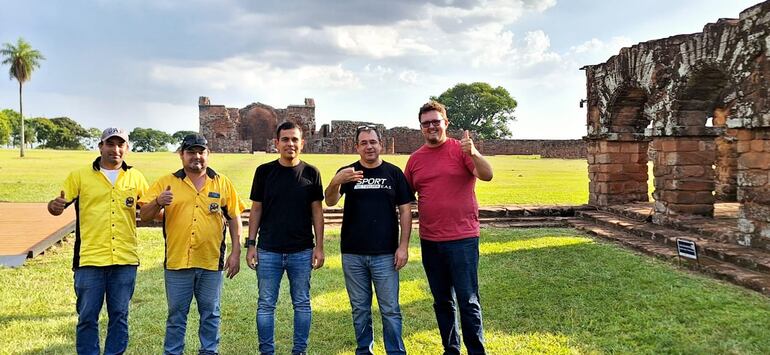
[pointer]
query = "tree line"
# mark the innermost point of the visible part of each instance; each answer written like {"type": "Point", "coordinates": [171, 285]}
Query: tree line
{"type": "Point", "coordinates": [66, 133]}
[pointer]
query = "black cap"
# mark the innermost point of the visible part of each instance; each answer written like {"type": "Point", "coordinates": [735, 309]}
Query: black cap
{"type": "Point", "coordinates": [194, 140]}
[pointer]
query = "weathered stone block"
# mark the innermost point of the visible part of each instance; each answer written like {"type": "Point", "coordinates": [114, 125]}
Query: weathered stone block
{"type": "Point", "coordinates": [692, 209]}
{"type": "Point", "coordinates": [690, 158]}
{"type": "Point", "coordinates": [745, 225]}
{"type": "Point", "coordinates": [754, 160]}
{"type": "Point", "coordinates": [752, 178]}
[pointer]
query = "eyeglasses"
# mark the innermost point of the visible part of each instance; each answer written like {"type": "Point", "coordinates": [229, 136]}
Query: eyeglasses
{"type": "Point", "coordinates": [434, 123]}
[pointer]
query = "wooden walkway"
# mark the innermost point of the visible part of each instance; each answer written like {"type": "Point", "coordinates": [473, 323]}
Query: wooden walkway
{"type": "Point", "coordinates": [27, 229]}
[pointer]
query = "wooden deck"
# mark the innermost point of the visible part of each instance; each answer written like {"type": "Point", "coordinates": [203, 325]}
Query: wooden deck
{"type": "Point", "coordinates": [27, 229]}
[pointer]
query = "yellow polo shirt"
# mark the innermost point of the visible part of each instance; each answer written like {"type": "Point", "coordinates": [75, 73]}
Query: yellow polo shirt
{"type": "Point", "coordinates": [194, 223]}
{"type": "Point", "coordinates": [105, 229]}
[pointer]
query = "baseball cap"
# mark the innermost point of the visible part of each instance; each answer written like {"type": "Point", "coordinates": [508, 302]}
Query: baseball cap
{"type": "Point", "coordinates": [114, 132]}
{"type": "Point", "coordinates": [194, 140]}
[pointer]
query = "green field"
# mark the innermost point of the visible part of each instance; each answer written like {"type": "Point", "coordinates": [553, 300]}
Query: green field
{"type": "Point", "coordinates": [550, 291]}
{"type": "Point", "coordinates": [523, 180]}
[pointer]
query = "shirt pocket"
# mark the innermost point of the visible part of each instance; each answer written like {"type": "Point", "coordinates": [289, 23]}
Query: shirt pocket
{"type": "Point", "coordinates": [214, 205]}
{"type": "Point", "coordinates": [126, 197]}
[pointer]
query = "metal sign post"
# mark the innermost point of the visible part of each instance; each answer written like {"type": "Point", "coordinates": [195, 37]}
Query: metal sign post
{"type": "Point", "coordinates": [687, 249]}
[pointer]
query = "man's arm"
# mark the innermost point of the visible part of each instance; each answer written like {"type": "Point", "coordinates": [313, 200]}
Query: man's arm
{"type": "Point", "coordinates": [255, 216]}
{"type": "Point", "coordinates": [482, 170]}
{"type": "Point", "coordinates": [318, 227]}
{"type": "Point", "coordinates": [233, 265]}
{"type": "Point", "coordinates": [332, 194]}
{"type": "Point", "coordinates": [405, 220]}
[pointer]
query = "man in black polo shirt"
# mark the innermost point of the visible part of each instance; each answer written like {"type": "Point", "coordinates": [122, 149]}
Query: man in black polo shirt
{"type": "Point", "coordinates": [286, 209]}
{"type": "Point", "coordinates": [372, 249]}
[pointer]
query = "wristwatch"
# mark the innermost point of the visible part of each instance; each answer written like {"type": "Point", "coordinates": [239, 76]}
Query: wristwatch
{"type": "Point", "coordinates": [250, 242]}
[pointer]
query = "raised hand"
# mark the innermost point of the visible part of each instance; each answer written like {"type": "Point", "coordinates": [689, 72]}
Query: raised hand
{"type": "Point", "coordinates": [467, 144]}
{"type": "Point", "coordinates": [348, 175]}
{"type": "Point", "coordinates": [166, 197]}
{"type": "Point", "coordinates": [57, 205]}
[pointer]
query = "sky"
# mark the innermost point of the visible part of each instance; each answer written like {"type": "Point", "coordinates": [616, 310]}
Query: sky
{"type": "Point", "coordinates": [144, 63]}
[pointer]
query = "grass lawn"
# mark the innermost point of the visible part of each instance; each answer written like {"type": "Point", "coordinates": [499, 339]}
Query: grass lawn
{"type": "Point", "coordinates": [525, 180]}
{"type": "Point", "coordinates": [543, 291]}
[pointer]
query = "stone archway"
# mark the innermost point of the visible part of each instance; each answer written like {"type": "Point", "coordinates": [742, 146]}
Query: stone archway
{"type": "Point", "coordinates": [722, 75]}
{"type": "Point", "coordinates": [687, 155]}
{"type": "Point", "coordinates": [258, 122]}
{"type": "Point", "coordinates": [617, 162]}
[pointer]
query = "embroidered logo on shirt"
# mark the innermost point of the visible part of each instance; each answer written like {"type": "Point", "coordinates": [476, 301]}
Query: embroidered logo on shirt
{"type": "Point", "coordinates": [129, 202]}
{"type": "Point", "coordinates": [214, 207]}
{"type": "Point", "coordinates": [214, 194]}
{"type": "Point", "coordinates": [372, 183]}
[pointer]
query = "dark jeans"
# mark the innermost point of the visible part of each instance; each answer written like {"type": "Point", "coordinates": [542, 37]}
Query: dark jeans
{"type": "Point", "coordinates": [452, 267]}
{"type": "Point", "coordinates": [92, 286]}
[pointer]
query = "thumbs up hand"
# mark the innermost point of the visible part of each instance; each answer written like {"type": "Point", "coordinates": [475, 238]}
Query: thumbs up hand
{"type": "Point", "coordinates": [467, 144]}
{"type": "Point", "coordinates": [57, 205]}
{"type": "Point", "coordinates": [166, 197]}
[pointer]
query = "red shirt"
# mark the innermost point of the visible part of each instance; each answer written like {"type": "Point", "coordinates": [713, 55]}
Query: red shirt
{"type": "Point", "coordinates": [444, 181]}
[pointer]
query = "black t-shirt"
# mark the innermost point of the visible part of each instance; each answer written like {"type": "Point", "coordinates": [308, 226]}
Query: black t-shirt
{"type": "Point", "coordinates": [286, 193]}
{"type": "Point", "coordinates": [370, 219]}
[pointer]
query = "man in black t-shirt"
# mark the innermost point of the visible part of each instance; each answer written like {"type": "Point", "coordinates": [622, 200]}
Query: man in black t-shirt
{"type": "Point", "coordinates": [286, 209]}
{"type": "Point", "coordinates": [372, 248]}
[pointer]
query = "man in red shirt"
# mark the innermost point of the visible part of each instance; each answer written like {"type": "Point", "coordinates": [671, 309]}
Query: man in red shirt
{"type": "Point", "coordinates": [443, 172]}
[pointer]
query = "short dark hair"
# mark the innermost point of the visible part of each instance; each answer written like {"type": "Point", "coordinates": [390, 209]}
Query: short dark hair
{"type": "Point", "coordinates": [366, 128]}
{"type": "Point", "coordinates": [285, 126]}
{"type": "Point", "coordinates": [432, 106]}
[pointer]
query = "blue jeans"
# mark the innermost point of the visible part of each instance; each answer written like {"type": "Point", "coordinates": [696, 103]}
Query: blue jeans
{"type": "Point", "coordinates": [360, 272]}
{"type": "Point", "coordinates": [181, 285]}
{"type": "Point", "coordinates": [92, 286]}
{"type": "Point", "coordinates": [452, 267]}
{"type": "Point", "coordinates": [269, 274]}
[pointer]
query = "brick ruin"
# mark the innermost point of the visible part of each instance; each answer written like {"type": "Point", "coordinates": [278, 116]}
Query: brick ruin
{"type": "Point", "coordinates": [697, 106]}
{"type": "Point", "coordinates": [252, 128]}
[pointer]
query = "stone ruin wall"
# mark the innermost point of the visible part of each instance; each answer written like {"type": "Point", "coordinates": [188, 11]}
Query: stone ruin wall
{"type": "Point", "coordinates": [700, 102]}
{"type": "Point", "coordinates": [562, 149]}
{"type": "Point", "coordinates": [232, 130]}
{"type": "Point", "coordinates": [252, 128]}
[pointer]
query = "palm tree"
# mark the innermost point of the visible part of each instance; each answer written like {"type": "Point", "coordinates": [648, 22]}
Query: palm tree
{"type": "Point", "coordinates": [23, 60]}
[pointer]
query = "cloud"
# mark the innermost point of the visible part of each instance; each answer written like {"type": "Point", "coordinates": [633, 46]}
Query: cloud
{"type": "Point", "coordinates": [376, 41]}
{"type": "Point", "coordinates": [596, 46]}
{"type": "Point", "coordinates": [243, 74]}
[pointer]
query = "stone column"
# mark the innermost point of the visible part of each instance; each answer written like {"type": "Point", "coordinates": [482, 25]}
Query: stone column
{"type": "Point", "coordinates": [726, 168]}
{"type": "Point", "coordinates": [753, 148]}
{"type": "Point", "coordinates": [390, 148]}
{"type": "Point", "coordinates": [684, 176]}
{"type": "Point", "coordinates": [617, 171]}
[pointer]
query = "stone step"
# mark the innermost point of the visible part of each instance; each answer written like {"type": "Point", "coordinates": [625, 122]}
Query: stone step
{"type": "Point", "coordinates": [720, 229]}
{"type": "Point", "coordinates": [745, 257]}
{"type": "Point", "coordinates": [752, 279]}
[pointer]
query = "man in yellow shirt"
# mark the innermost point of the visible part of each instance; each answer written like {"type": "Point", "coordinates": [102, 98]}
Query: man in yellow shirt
{"type": "Point", "coordinates": [105, 259]}
{"type": "Point", "coordinates": [196, 201]}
